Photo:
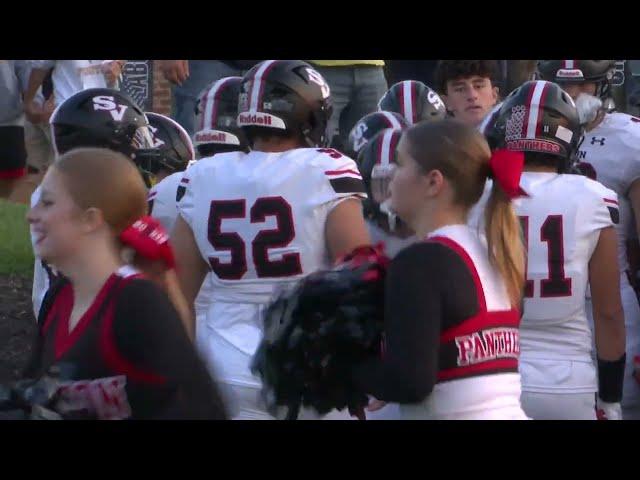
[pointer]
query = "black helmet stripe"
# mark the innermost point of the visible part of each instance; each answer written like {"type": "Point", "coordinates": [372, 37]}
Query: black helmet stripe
{"type": "Point", "coordinates": [257, 87]}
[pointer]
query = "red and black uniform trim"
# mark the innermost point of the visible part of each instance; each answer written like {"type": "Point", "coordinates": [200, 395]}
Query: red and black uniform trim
{"type": "Point", "coordinates": [130, 329]}
{"type": "Point", "coordinates": [437, 327]}
{"type": "Point", "coordinates": [485, 343]}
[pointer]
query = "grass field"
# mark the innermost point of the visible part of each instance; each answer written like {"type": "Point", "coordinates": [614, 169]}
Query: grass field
{"type": "Point", "coordinates": [16, 255]}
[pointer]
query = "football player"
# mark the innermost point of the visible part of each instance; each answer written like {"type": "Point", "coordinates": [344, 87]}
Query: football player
{"type": "Point", "coordinates": [216, 119]}
{"type": "Point", "coordinates": [414, 101]}
{"type": "Point", "coordinates": [612, 147]}
{"type": "Point", "coordinates": [262, 220]}
{"type": "Point", "coordinates": [96, 117]}
{"type": "Point", "coordinates": [163, 166]}
{"type": "Point", "coordinates": [218, 132]}
{"type": "Point", "coordinates": [568, 225]}
{"type": "Point", "coordinates": [368, 127]}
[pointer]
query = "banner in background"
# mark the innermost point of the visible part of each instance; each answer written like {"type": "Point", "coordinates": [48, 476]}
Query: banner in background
{"type": "Point", "coordinates": [137, 82]}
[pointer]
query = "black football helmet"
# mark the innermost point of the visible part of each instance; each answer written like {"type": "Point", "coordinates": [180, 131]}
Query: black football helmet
{"type": "Point", "coordinates": [285, 96]}
{"type": "Point", "coordinates": [486, 126]}
{"type": "Point", "coordinates": [171, 149]}
{"type": "Point", "coordinates": [578, 71]}
{"type": "Point", "coordinates": [539, 117]}
{"type": "Point", "coordinates": [377, 162]}
{"type": "Point", "coordinates": [414, 100]}
{"type": "Point", "coordinates": [216, 119]}
{"type": "Point", "coordinates": [100, 117]}
{"type": "Point", "coordinates": [368, 126]}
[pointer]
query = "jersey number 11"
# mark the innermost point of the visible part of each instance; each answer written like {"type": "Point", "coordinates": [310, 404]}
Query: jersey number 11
{"type": "Point", "coordinates": [556, 284]}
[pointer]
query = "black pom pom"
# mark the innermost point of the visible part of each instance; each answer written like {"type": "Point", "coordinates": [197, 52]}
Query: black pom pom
{"type": "Point", "coordinates": [317, 331]}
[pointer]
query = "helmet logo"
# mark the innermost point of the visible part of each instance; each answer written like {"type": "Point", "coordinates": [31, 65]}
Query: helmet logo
{"type": "Point", "coordinates": [104, 102]}
{"type": "Point", "coordinates": [515, 123]}
{"type": "Point", "coordinates": [358, 136]}
{"type": "Point", "coordinates": [316, 78]}
{"type": "Point", "coordinates": [569, 73]}
{"type": "Point", "coordinates": [435, 100]}
{"type": "Point", "coordinates": [155, 139]}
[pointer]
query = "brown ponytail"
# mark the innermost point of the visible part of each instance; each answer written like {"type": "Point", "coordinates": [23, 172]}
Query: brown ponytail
{"type": "Point", "coordinates": [462, 155]}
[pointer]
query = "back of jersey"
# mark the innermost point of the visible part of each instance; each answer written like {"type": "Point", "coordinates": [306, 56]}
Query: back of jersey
{"type": "Point", "coordinates": [613, 148]}
{"type": "Point", "coordinates": [259, 222]}
{"type": "Point", "coordinates": [259, 218]}
{"type": "Point", "coordinates": [561, 221]}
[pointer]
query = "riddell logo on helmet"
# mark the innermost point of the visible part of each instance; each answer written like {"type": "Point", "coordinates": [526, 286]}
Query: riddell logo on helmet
{"type": "Point", "coordinates": [254, 119]}
{"type": "Point", "coordinates": [213, 137]}
{"type": "Point", "coordinates": [532, 145]}
{"type": "Point", "coordinates": [569, 73]}
{"type": "Point", "coordinates": [260, 119]}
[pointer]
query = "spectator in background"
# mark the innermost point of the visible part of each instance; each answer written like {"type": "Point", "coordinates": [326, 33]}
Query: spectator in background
{"type": "Point", "coordinates": [419, 70]}
{"type": "Point", "coordinates": [356, 86]}
{"type": "Point", "coordinates": [468, 87]}
{"type": "Point", "coordinates": [12, 150]}
{"type": "Point", "coordinates": [191, 77]}
{"type": "Point", "coordinates": [67, 78]}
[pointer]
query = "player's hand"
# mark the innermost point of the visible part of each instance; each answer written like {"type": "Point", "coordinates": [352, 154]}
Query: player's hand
{"type": "Point", "coordinates": [112, 71]}
{"type": "Point", "coordinates": [48, 108]}
{"type": "Point", "coordinates": [34, 112]}
{"type": "Point", "coordinates": [375, 405]}
{"type": "Point", "coordinates": [176, 71]}
{"type": "Point", "coordinates": [608, 411]}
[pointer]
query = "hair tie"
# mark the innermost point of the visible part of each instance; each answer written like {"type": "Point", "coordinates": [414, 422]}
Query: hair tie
{"type": "Point", "coordinates": [149, 240]}
{"type": "Point", "coordinates": [506, 168]}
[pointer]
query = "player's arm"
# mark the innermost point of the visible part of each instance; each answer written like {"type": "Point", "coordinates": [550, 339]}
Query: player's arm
{"type": "Point", "coordinates": [608, 316]}
{"type": "Point", "coordinates": [343, 189]}
{"type": "Point", "coordinates": [39, 72]}
{"type": "Point", "coordinates": [345, 228]}
{"type": "Point", "coordinates": [191, 268]}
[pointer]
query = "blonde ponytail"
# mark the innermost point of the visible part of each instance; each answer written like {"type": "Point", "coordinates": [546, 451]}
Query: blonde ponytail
{"type": "Point", "coordinates": [504, 238]}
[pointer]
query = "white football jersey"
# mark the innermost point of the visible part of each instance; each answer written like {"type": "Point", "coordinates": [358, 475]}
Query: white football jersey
{"type": "Point", "coordinates": [613, 149]}
{"type": "Point", "coordinates": [163, 206]}
{"type": "Point", "coordinates": [561, 220]}
{"type": "Point", "coordinates": [259, 222]}
{"type": "Point", "coordinates": [162, 200]}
